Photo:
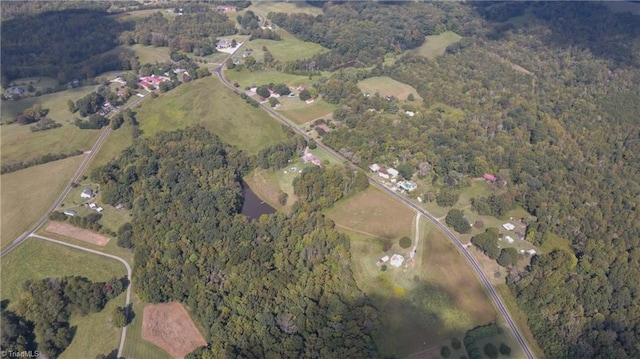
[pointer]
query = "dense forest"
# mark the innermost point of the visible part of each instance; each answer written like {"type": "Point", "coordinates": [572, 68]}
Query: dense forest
{"type": "Point", "coordinates": [80, 51]}
{"type": "Point", "coordinates": [280, 286]}
{"type": "Point", "coordinates": [550, 105]}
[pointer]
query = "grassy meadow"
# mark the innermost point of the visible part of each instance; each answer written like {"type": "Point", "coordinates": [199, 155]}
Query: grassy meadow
{"type": "Point", "coordinates": [37, 259]}
{"type": "Point", "coordinates": [435, 45]}
{"type": "Point", "coordinates": [246, 78]}
{"type": "Point", "coordinates": [208, 103]}
{"type": "Point", "coordinates": [288, 49]}
{"type": "Point", "coordinates": [18, 143]}
{"type": "Point", "coordinates": [266, 6]}
{"type": "Point", "coordinates": [386, 86]}
{"type": "Point", "coordinates": [300, 112]}
{"type": "Point", "coordinates": [28, 193]}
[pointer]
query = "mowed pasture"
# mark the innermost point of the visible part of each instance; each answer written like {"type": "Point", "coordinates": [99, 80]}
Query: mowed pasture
{"type": "Point", "coordinates": [39, 83]}
{"type": "Point", "coordinates": [436, 45]}
{"type": "Point", "coordinates": [27, 194]}
{"type": "Point", "coordinates": [374, 213]}
{"type": "Point", "coordinates": [246, 78]}
{"type": "Point", "coordinates": [36, 259]}
{"type": "Point", "coordinates": [169, 327]}
{"type": "Point", "coordinates": [266, 6]}
{"type": "Point", "coordinates": [386, 86]}
{"type": "Point", "coordinates": [18, 143]}
{"type": "Point", "coordinates": [300, 112]}
{"type": "Point", "coordinates": [208, 103]}
{"type": "Point", "coordinates": [288, 49]}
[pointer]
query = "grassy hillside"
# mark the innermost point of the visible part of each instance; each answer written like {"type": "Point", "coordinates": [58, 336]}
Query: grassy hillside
{"type": "Point", "coordinates": [208, 103]}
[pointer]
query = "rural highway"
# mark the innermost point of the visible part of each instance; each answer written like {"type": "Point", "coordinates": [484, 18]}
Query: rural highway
{"type": "Point", "coordinates": [83, 166]}
{"type": "Point", "coordinates": [499, 304]}
{"type": "Point", "coordinates": [128, 297]}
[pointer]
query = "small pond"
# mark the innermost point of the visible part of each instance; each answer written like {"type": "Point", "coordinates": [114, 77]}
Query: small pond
{"type": "Point", "coordinates": [253, 207]}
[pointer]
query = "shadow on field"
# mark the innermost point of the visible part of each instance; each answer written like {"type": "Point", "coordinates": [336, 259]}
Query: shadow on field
{"type": "Point", "coordinates": [417, 321]}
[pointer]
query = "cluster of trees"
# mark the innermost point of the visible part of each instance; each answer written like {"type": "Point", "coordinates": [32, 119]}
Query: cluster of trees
{"type": "Point", "coordinates": [195, 31]}
{"type": "Point", "coordinates": [8, 167]}
{"type": "Point", "coordinates": [32, 114]}
{"type": "Point", "coordinates": [487, 242]}
{"type": "Point", "coordinates": [494, 205]}
{"type": "Point", "coordinates": [278, 155]}
{"type": "Point", "coordinates": [322, 187]}
{"type": "Point", "coordinates": [277, 287]}
{"type": "Point", "coordinates": [94, 122]}
{"type": "Point", "coordinates": [46, 305]}
{"type": "Point", "coordinates": [33, 45]}
{"type": "Point", "coordinates": [455, 219]}
{"type": "Point", "coordinates": [364, 32]}
{"type": "Point", "coordinates": [480, 334]}
{"type": "Point", "coordinates": [17, 333]}
{"type": "Point", "coordinates": [89, 104]}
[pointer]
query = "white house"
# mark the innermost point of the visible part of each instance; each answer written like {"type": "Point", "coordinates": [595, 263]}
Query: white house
{"type": "Point", "coordinates": [87, 193]}
{"type": "Point", "coordinates": [508, 226]}
{"type": "Point", "coordinates": [393, 172]}
{"type": "Point", "coordinates": [509, 239]}
{"type": "Point", "coordinates": [396, 260]}
{"type": "Point", "coordinates": [92, 205]}
{"type": "Point", "coordinates": [99, 209]}
{"type": "Point", "coordinates": [374, 167]}
{"type": "Point", "coordinates": [69, 212]}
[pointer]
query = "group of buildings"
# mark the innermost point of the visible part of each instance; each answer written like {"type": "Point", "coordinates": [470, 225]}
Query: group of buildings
{"type": "Point", "coordinates": [392, 174]}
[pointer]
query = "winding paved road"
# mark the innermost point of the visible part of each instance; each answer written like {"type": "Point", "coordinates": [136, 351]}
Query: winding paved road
{"type": "Point", "coordinates": [497, 300]}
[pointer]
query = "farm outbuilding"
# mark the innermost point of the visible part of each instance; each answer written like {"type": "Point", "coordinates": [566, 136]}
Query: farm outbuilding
{"type": "Point", "coordinates": [396, 260]}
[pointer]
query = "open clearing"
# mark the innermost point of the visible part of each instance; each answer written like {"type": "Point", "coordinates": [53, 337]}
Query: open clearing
{"type": "Point", "coordinates": [68, 230]}
{"type": "Point", "coordinates": [246, 78]}
{"type": "Point", "coordinates": [289, 48]}
{"type": "Point", "coordinates": [386, 86]}
{"type": "Point", "coordinates": [300, 112]}
{"type": "Point", "coordinates": [373, 211]}
{"type": "Point", "coordinates": [170, 327]}
{"type": "Point", "coordinates": [134, 345]}
{"type": "Point", "coordinates": [436, 45]}
{"type": "Point", "coordinates": [208, 103]}
{"type": "Point", "coordinates": [27, 194]}
{"type": "Point", "coordinates": [266, 6]}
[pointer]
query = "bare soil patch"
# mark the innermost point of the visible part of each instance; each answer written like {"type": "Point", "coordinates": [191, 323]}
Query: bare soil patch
{"type": "Point", "coordinates": [170, 327]}
{"type": "Point", "coordinates": [74, 232]}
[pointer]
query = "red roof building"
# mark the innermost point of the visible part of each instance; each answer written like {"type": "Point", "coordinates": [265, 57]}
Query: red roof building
{"type": "Point", "coordinates": [489, 177]}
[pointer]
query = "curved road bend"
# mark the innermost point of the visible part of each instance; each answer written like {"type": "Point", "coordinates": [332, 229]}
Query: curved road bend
{"type": "Point", "coordinates": [474, 264]}
{"type": "Point", "coordinates": [128, 297]}
{"type": "Point", "coordinates": [83, 166]}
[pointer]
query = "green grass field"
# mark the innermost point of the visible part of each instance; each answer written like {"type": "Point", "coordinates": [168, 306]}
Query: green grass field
{"type": "Point", "coordinates": [134, 346]}
{"type": "Point", "coordinates": [28, 193]}
{"type": "Point", "coordinates": [373, 212]}
{"type": "Point", "coordinates": [266, 6]}
{"type": "Point", "coordinates": [285, 50]}
{"type": "Point", "coordinates": [208, 103]}
{"type": "Point", "coordinates": [387, 86]}
{"type": "Point", "coordinates": [300, 112]}
{"type": "Point", "coordinates": [36, 259]}
{"type": "Point", "coordinates": [18, 143]}
{"type": "Point", "coordinates": [149, 54]}
{"type": "Point", "coordinates": [435, 45]}
{"type": "Point", "coordinates": [257, 78]}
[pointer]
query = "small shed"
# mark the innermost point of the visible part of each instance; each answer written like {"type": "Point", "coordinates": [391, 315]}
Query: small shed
{"type": "Point", "coordinates": [489, 177]}
{"type": "Point", "coordinates": [509, 239]}
{"type": "Point", "coordinates": [508, 226]}
{"type": "Point", "coordinates": [70, 212]}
